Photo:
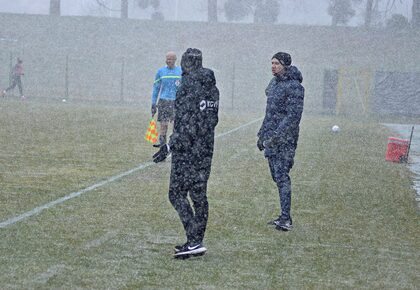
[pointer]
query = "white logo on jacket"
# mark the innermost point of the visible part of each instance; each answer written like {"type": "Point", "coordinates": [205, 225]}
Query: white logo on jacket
{"type": "Point", "coordinates": [208, 104]}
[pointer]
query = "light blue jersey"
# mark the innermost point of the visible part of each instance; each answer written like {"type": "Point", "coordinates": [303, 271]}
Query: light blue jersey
{"type": "Point", "coordinates": [166, 82]}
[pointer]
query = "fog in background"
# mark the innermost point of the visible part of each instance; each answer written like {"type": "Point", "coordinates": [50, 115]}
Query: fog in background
{"type": "Point", "coordinates": [103, 57]}
{"type": "Point", "coordinates": [303, 12]}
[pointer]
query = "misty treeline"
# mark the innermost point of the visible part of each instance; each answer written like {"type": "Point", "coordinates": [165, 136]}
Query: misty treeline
{"type": "Point", "coordinates": [267, 11]}
{"type": "Point", "coordinates": [342, 11]}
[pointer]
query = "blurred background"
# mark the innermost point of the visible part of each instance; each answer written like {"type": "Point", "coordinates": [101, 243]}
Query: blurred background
{"type": "Point", "coordinates": [357, 56]}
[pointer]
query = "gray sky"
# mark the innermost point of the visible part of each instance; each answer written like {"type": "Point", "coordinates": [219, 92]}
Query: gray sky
{"type": "Point", "coordinates": [307, 12]}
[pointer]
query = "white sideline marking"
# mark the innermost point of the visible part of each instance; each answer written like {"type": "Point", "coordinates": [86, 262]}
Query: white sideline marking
{"type": "Point", "coordinates": [238, 128]}
{"type": "Point", "coordinates": [70, 196]}
{"type": "Point", "coordinates": [39, 209]}
{"type": "Point", "coordinates": [51, 272]}
{"type": "Point", "coordinates": [99, 241]}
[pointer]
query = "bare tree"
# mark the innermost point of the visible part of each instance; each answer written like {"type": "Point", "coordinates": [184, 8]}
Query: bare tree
{"type": "Point", "coordinates": [416, 13]}
{"type": "Point", "coordinates": [55, 7]}
{"type": "Point", "coordinates": [341, 11]}
{"type": "Point", "coordinates": [124, 9]}
{"type": "Point", "coordinates": [212, 10]}
{"type": "Point", "coordinates": [372, 10]}
{"type": "Point", "coordinates": [264, 11]}
{"type": "Point", "coordinates": [237, 9]}
{"type": "Point", "coordinates": [156, 15]}
{"type": "Point", "coordinates": [368, 13]}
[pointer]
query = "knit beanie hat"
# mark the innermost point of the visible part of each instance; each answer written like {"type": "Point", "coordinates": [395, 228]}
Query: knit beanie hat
{"type": "Point", "coordinates": [284, 58]}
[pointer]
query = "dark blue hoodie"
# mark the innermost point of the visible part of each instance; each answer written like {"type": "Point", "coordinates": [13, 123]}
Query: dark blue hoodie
{"type": "Point", "coordinates": [280, 128]}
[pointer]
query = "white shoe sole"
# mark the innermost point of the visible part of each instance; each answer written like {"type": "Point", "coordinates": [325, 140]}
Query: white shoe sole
{"type": "Point", "coordinates": [284, 228]}
{"type": "Point", "coordinates": [191, 252]}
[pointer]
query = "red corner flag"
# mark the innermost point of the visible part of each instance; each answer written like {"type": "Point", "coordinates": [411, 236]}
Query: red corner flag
{"type": "Point", "coordinates": [152, 133]}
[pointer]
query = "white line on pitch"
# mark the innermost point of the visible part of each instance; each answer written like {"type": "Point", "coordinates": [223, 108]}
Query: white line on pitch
{"type": "Point", "coordinates": [70, 196]}
{"type": "Point", "coordinates": [39, 209]}
{"type": "Point", "coordinates": [238, 128]}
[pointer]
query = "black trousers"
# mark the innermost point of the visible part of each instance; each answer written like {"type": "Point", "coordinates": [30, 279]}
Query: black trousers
{"type": "Point", "coordinates": [280, 165]}
{"type": "Point", "coordinates": [16, 81]}
{"type": "Point", "coordinates": [189, 179]}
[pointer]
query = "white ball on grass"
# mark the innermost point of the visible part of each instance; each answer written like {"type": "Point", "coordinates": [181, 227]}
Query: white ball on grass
{"type": "Point", "coordinates": [335, 129]}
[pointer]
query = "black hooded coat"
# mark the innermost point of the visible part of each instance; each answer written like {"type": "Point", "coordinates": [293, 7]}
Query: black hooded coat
{"type": "Point", "coordinates": [196, 107]}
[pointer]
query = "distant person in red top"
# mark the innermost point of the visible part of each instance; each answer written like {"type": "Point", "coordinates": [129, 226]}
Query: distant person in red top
{"type": "Point", "coordinates": [17, 74]}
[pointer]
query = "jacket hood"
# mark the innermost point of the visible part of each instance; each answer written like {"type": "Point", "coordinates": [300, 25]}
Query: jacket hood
{"type": "Point", "coordinates": [191, 60]}
{"type": "Point", "coordinates": [291, 73]}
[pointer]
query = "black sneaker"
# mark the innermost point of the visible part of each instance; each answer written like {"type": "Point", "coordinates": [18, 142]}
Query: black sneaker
{"type": "Point", "coordinates": [179, 248]}
{"type": "Point", "coordinates": [274, 222]}
{"type": "Point", "coordinates": [158, 145]}
{"type": "Point", "coordinates": [283, 224]}
{"type": "Point", "coordinates": [190, 249]}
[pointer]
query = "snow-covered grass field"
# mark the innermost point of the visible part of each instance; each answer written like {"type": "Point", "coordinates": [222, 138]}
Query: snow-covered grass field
{"type": "Point", "coordinates": [355, 218]}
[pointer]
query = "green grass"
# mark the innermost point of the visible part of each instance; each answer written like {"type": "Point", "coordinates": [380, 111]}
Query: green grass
{"type": "Point", "coordinates": [356, 224]}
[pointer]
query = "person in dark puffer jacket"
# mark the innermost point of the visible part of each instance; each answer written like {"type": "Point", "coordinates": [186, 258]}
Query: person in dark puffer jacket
{"type": "Point", "coordinates": [279, 132]}
{"type": "Point", "coordinates": [191, 145]}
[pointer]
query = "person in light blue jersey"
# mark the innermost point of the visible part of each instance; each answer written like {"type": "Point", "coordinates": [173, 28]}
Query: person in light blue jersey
{"type": "Point", "coordinates": [164, 93]}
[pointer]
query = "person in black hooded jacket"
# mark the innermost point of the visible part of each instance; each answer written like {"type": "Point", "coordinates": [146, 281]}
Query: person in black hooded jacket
{"type": "Point", "coordinates": [279, 132]}
{"type": "Point", "coordinates": [191, 145]}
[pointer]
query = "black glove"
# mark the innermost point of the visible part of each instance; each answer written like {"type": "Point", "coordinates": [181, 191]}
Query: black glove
{"type": "Point", "coordinates": [154, 109]}
{"type": "Point", "coordinates": [260, 144]}
{"type": "Point", "coordinates": [161, 154]}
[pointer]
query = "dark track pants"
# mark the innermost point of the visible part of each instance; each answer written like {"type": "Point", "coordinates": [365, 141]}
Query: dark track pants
{"type": "Point", "coordinates": [16, 81]}
{"type": "Point", "coordinates": [280, 165]}
{"type": "Point", "coordinates": [185, 180]}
